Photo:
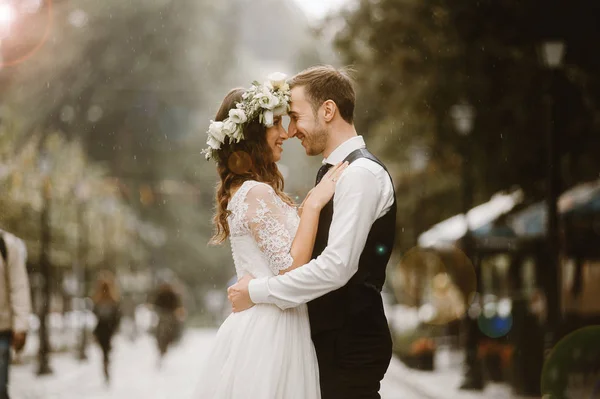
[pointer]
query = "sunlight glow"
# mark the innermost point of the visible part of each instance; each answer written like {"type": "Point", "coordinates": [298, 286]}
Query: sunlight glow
{"type": "Point", "coordinates": [7, 15]}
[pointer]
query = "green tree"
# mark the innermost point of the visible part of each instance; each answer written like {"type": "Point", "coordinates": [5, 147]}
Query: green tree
{"type": "Point", "coordinates": [416, 59]}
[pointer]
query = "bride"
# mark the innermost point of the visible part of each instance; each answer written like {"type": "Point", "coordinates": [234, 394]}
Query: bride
{"type": "Point", "coordinates": [264, 352]}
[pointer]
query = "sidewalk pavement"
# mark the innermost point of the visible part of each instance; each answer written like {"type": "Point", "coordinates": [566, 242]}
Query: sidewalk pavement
{"type": "Point", "coordinates": [443, 383]}
{"type": "Point", "coordinates": [136, 374]}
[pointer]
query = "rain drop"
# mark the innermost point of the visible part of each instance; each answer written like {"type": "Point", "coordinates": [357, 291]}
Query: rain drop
{"type": "Point", "coordinates": [78, 18]}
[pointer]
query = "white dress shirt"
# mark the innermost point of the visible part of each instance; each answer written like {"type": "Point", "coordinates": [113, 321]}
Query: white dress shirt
{"type": "Point", "coordinates": [363, 194]}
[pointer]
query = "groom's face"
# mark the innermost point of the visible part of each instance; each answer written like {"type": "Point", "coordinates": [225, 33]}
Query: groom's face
{"type": "Point", "coordinates": [306, 124]}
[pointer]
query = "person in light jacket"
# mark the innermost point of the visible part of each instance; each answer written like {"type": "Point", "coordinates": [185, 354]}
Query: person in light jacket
{"type": "Point", "coordinates": [15, 302]}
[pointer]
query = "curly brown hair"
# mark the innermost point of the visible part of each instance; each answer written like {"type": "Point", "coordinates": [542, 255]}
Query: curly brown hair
{"type": "Point", "coordinates": [250, 159]}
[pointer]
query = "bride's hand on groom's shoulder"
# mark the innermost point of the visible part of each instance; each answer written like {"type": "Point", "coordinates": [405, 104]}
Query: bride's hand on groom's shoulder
{"type": "Point", "coordinates": [322, 193]}
{"type": "Point", "coordinates": [239, 296]}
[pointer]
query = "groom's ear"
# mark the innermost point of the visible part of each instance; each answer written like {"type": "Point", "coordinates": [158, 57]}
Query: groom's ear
{"type": "Point", "coordinates": [329, 110]}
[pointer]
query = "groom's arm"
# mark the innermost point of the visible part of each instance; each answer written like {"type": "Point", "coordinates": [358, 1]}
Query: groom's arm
{"type": "Point", "coordinates": [358, 203]}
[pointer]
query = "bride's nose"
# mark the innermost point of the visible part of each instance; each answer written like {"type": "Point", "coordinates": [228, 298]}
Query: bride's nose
{"type": "Point", "coordinates": [283, 134]}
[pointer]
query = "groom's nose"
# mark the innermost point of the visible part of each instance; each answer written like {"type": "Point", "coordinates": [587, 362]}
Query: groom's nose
{"type": "Point", "coordinates": [292, 129]}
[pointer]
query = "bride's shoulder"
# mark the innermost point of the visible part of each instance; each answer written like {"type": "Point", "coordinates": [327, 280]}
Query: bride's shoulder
{"type": "Point", "coordinates": [258, 189]}
{"type": "Point", "coordinates": [253, 188]}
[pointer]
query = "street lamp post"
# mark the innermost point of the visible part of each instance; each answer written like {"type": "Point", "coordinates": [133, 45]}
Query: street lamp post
{"type": "Point", "coordinates": [552, 54]}
{"type": "Point", "coordinates": [45, 266]}
{"type": "Point", "coordinates": [463, 115]}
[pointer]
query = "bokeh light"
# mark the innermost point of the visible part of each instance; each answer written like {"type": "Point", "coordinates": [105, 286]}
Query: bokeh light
{"type": "Point", "coordinates": [381, 249]}
{"type": "Point", "coordinates": [441, 284]}
{"type": "Point", "coordinates": [78, 18]}
{"type": "Point", "coordinates": [495, 326]}
{"type": "Point", "coordinates": [572, 369]}
{"type": "Point", "coordinates": [240, 162]}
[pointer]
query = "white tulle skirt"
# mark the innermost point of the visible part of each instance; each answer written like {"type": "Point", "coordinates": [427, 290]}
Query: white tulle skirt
{"type": "Point", "coordinates": [262, 353]}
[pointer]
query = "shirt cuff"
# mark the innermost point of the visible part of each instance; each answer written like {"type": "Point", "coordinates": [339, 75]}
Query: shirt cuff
{"type": "Point", "coordinates": [258, 289]}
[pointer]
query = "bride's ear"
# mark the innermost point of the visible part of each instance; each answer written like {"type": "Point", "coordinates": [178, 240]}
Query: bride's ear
{"type": "Point", "coordinates": [329, 110]}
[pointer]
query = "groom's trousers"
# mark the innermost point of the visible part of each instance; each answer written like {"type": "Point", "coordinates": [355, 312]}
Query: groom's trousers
{"type": "Point", "coordinates": [354, 358]}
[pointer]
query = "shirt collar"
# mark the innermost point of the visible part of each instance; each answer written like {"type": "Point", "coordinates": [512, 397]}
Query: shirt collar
{"type": "Point", "coordinates": [344, 149]}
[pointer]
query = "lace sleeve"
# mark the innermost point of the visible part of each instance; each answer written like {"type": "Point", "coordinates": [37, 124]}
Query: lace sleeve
{"type": "Point", "coordinates": [266, 221]}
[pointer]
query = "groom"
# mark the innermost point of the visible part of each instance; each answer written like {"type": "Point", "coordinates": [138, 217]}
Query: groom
{"type": "Point", "coordinates": [342, 284]}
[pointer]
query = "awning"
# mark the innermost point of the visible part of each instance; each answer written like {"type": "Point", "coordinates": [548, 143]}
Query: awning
{"type": "Point", "coordinates": [446, 233]}
{"type": "Point", "coordinates": [576, 206]}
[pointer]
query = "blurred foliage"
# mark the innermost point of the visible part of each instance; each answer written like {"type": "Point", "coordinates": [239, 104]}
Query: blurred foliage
{"type": "Point", "coordinates": [416, 59]}
{"type": "Point", "coordinates": [126, 89]}
{"type": "Point", "coordinates": [52, 172]}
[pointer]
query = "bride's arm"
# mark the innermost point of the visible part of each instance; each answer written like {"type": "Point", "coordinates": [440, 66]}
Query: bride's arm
{"type": "Point", "coordinates": [304, 241]}
{"type": "Point", "coordinates": [266, 220]}
{"type": "Point", "coordinates": [316, 199]}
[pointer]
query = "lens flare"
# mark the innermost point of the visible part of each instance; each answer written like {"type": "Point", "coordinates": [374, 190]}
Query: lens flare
{"type": "Point", "coordinates": [572, 369]}
{"type": "Point", "coordinates": [495, 326]}
{"type": "Point", "coordinates": [240, 162]}
{"type": "Point", "coordinates": [381, 249]}
{"type": "Point", "coordinates": [21, 57]}
{"type": "Point", "coordinates": [440, 283]}
{"type": "Point", "coordinates": [7, 14]}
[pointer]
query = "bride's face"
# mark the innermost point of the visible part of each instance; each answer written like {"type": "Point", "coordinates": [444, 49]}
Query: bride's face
{"type": "Point", "coordinates": [276, 135]}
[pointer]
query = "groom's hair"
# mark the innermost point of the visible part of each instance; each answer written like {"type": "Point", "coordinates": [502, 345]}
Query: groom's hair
{"type": "Point", "coordinates": [324, 82]}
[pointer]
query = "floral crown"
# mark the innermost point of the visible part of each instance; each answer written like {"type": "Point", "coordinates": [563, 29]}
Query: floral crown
{"type": "Point", "coordinates": [262, 101]}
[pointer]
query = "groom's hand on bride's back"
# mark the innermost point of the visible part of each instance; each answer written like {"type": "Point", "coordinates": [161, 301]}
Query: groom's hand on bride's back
{"type": "Point", "coordinates": [239, 296]}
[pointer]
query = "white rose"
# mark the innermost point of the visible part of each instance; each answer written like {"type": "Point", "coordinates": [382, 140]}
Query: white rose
{"type": "Point", "coordinates": [213, 143]}
{"type": "Point", "coordinates": [215, 130]}
{"type": "Point", "coordinates": [277, 79]}
{"type": "Point", "coordinates": [266, 90]}
{"type": "Point", "coordinates": [269, 101]}
{"type": "Point", "coordinates": [228, 127]}
{"type": "Point", "coordinates": [237, 116]}
{"type": "Point", "coordinates": [268, 85]}
{"type": "Point", "coordinates": [268, 118]}
{"type": "Point", "coordinates": [232, 130]}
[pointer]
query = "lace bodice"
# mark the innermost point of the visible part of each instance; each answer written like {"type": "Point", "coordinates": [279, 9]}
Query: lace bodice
{"type": "Point", "coordinates": [262, 227]}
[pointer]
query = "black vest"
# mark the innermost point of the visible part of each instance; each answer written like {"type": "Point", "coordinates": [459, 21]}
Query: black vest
{"type": "Point", "coordinates": [363, 291]}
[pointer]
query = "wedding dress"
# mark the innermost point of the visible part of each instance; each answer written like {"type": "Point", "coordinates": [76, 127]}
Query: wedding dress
{"type": "Point", "coordinates": [263, 352]}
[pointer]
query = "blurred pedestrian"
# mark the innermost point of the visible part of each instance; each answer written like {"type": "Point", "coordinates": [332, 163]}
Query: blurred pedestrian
{"type": "Point", "coordinates": [128, 323]}
{"type": "Point", "coordinates": [15, 302]}
{"type": "Point", "coordinates": [169, 309]}
{"type": "Point", "coordinates": [108, 314]}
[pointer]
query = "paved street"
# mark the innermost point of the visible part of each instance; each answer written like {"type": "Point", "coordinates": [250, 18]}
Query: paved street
{"type": "Point", "coordinates": [136, 375]}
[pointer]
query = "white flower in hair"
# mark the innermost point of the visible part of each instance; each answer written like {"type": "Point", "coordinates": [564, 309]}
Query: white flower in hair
{"type": "Point", "coordinates": [229, 127]}
{"type": "Point", "coordinates": [238, 134]}
{"type": "Point", "coordinates": [268, 102]}
{"type": "Point", "coordinates": [213, 143]}
{"type": "Point", "coordinates": [277, 79]}
{"type": "Point", "coordinates": [215, 131]}
{"type": "Point", "coordinates": [237, 116]}
{"type": "Point", "coordinates": [260, 102]}
{"type": "Point", "coordinates": [268, 118]}
{"type": "Point", "coordinates": [233, 130]}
